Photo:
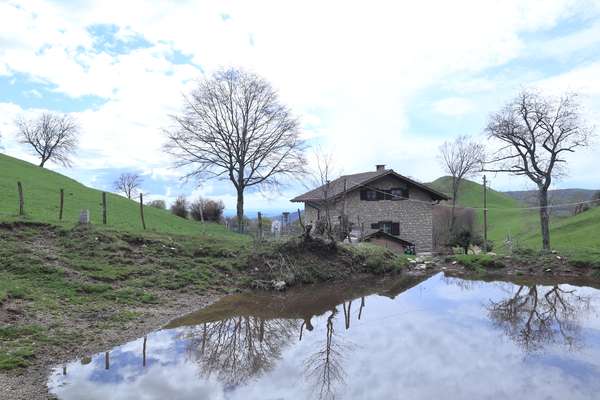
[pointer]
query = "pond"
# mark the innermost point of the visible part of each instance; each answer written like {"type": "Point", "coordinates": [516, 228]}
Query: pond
{"type": "Point", "coordinates": [407, 337]}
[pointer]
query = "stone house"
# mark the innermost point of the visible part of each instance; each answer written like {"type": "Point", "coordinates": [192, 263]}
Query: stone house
{"type": "Point", "coordinates": [380, 206]}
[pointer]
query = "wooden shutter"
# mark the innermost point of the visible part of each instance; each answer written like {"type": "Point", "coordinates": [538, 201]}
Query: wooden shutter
{"type": "Point", "coordinates": [405, 193]}
{"type": "Point", "coordinates": [363, 194]}
{"type": "Point", "coordinates": [395, 228]}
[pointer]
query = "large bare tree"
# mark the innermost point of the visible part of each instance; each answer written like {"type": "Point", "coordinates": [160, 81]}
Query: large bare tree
{"type": "Point", "coordinates": [234, 127]}
{"type": "Point", "coordinates": [536, 133]}
{"type": "Point", "coordinates": [461, 158]}
{"type": "Point", "coordinates": [52, 136]}
{"type": "Point", "coordinates": [128, 184]}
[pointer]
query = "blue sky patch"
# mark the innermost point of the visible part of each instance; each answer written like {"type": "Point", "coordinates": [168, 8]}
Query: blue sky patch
{"type": "Point", "coordinates": [29, 93]}
{"type": "Point", "coordinates": [107, 39]}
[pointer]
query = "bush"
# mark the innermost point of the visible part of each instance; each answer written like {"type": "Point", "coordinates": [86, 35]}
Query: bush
{"type": "Point", "coordinates": [207, 210]}
{"type": "Point", "coordinates": [160, 204]}
{"type": "Point", "coordinates": [180, 207]}
{"type": "Point", "coordinates": [466, 238]}
{"type": "Point", "coordinates": [213, 210]}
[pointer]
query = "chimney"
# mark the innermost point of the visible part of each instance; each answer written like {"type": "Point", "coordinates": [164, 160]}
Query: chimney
{"type": "Point", "coordinates": [380, 167]}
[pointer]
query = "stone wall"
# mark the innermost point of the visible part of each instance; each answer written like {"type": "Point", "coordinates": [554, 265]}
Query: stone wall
{"type": "Point", "coordinates": [415, 217]}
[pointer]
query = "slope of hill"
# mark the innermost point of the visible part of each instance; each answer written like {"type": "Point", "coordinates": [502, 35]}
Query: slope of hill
{"type": "Point", "coordinates": [558, 196]}
{"type": "Point", "coordinates": [507, 217]}
{"type": "Point", "coordinates": [41, 189]}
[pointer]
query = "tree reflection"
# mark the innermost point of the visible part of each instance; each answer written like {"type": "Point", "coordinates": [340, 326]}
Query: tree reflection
{"type": "Point", "coordinates": [236, 349]}
{"type": "Point", "coordinates": [535, 316]}
{"type": "Point", "coordinates": [326, 366]}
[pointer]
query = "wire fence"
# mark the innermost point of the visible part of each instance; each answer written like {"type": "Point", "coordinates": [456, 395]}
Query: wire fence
{"type": "Point", "coordinates": [69, 208]}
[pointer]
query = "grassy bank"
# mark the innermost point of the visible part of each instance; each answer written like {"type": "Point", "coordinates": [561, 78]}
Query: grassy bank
{"type": "Point", "coordinates": [527, 262]}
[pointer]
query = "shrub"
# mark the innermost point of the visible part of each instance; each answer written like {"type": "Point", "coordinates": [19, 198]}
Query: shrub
{"type": "Point", "coordinates": [465, 238]}
{"type": "Point", "coordinates": [213, 210]}
{"type": "Point", "coordinates": [160, 204]}
{"type": "Point", "coordinates": [207, 210]}
{"type": "Point", "coordinates": [180, 207]}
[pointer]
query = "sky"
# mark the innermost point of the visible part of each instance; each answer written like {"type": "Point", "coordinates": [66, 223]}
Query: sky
{"type": "Point", "coordinates": [372, 82]}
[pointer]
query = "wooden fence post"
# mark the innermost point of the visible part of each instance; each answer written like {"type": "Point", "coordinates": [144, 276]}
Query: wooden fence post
{"type": "Point", "coordinates": [21, 201]}
{"type": "Point", "coordinates": [62, 203]}
{"type": "Point", "coordinates": [104, 208]}
{"type": "Point", "coordinates": [142, 210]}
{"type": "Point", "coordinates": [260, 226]}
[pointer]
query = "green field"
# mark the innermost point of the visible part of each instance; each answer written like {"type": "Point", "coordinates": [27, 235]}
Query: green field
{"type": "Point", "coordinates": [580, 233]}
{"type": "Point", "coordinates": [41, 189]}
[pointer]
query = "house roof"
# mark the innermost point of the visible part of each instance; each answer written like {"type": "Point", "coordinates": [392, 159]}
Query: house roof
{"type": "Point", "coordinates": [355, 181]}
{"type": "Point", "coordinates": [381, 234]}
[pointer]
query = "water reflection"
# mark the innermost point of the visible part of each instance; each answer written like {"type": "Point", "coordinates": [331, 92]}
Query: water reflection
{"type": "Point", "coordinates": [237, 349]}
{"type": "Point", "coordinates": [404, 337]}
{"type": "Point", "coordinates": [535, 316]}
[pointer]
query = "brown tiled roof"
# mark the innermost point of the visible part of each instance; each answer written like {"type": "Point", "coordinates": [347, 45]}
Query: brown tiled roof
{"type": "Point", "coordinates": [354, 181]}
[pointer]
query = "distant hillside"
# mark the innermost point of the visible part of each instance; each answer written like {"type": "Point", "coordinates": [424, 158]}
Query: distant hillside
{"type": "Point", "coordinates": [41, 192]}
{"type": "Point", "coordinates": [558, 196]}
{"type": "Point", "coordinates": [506, 216]}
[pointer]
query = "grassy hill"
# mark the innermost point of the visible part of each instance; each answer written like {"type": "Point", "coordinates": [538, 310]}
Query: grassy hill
{"type": "Point", "coordinates": [579, 233]}
{"type": "Point", "coordinates": [556, 196]}
{"type": "Point", "coordinates": [41, 189]}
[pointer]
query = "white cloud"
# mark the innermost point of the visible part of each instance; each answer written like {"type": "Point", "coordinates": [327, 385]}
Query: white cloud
{"type": "Point", "coordinates": [453, 106]}
{"type": "Point", "coordinates": [350, 70]}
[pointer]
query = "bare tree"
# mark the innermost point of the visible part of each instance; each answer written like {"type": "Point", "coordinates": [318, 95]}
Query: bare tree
{"type": "Point", "coordinates": [321, 177]}
{"type": "Point", "coordinates": [128, 184]}
{"type": "Point", "coordinates": [461, 159]}
{"type": "Point", "coordinates": [52, 136]}
{"type": "Point", "coordinates": [536, 133]}
{"type": "Point", "coordinates": [233, 127]}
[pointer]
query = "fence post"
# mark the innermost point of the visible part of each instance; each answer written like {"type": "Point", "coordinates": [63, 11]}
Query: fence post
{"type": "Point", "coordinates": [21, 201]}
{"type": "Point", "coordinates": [104, 208]}
{"type": "Point", "coordinates": [142, 210]}
{"type": "Point", "coordinates": [62, 203]}
{"type": "Point", "coordinates": [260, 226]}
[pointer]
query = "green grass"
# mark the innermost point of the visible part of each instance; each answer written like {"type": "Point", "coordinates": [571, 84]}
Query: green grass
{"type": "Point", "coordinates": [63, 273]}
{"type": "Point", "coordinates": [41, 189]}
{"type": "Point", "coordinates": [578, 234]}
{"type": "Point", "coordinates": [377, 259]}
{"type": "Point", "coordinates": [478, 262]}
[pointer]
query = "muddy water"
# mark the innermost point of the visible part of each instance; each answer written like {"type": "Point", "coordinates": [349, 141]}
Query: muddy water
{"type": "Point", "coordinates": [404, 338]}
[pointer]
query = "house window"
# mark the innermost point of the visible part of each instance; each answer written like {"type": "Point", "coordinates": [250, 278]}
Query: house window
{"type": "Point", "coordinates": [368, 194]}
{"type": "Point", "coordinates": [386, 226]}
{"type": "Point", "coordinates": [399, 193]}
{"type": "Point", "coordinates": [389, 227]}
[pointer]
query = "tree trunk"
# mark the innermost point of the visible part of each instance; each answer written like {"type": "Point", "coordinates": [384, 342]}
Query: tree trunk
{"type": "Point", "coordinates": [42, 163]}
{"type": "Point", "coordinates": [544, 218]}
{"type": "Point", "coordinates": [240, 210]}
{"type": "Point", "coordinates": [455, 183]}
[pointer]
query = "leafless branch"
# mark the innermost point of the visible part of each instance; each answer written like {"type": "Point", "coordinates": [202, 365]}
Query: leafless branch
{"type": "Point", "coordinates": [52, 137]}
{"type": "Point", "coordinates": [128, 184]}
{"type": "Point", "coordinates": [233, 127]}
